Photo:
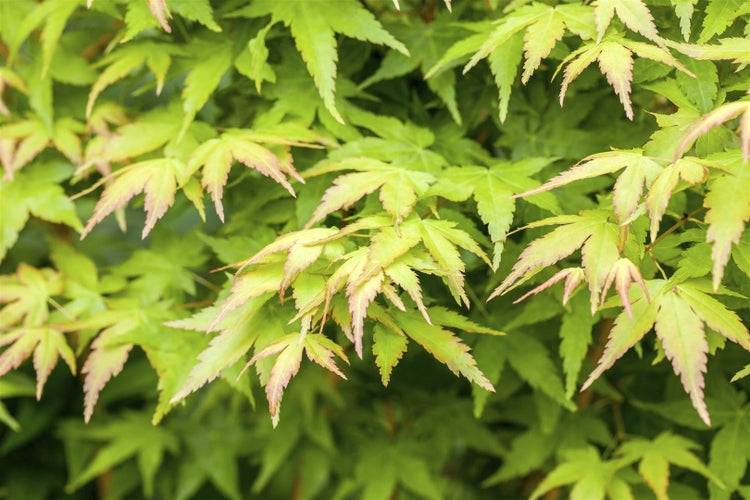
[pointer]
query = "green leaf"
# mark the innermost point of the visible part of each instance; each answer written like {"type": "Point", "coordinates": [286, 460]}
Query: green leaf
{"type": "Point", "coordinates": [314, 25]}
{"type": "Point", "coordinates": [575, 338]}
{"type": "Point", "coordinates": [655, 457]}
{"type": "Point", "coordinates": [130, 435]}
{"type": "Point", "coordinates": [444, 346]}
{"type": "Point", "coordinates": [32, 193]}
{"type": "Point", "coordinates": [719, 16]}
{"type": "Point", "coordinates": [592, 477]}
{"type": "Point", "coordinates": [388, 347]}
{"type": "Point", "coordinates": [212, 60]}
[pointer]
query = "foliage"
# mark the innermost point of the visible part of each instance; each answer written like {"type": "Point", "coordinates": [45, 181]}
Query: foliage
{"type": "Point", "coordinates": [561, 223]}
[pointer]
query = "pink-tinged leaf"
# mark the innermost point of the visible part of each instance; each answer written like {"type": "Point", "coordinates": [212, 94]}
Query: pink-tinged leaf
{"type": "Point", "coordinates": [286, 366]}
{"type": "Point", "coordinates": [715, 118]}
{"type": "Point", "coordinates": [27, 295]}
{"type": "Point", "coordinates": [681, 333]}
{"type": "Point", "coordinates": [636, 16]}
{"type": "Point", "coordinates": [103, 363]}
{"type": "Point", "coordinates": [576, 61]}
{"type": "Point", "coordinates": [160, 11]}
{"type": "Point", "coordinates": [322, 350]}
{"type": "Point", "coordinates": [591, 166]}
{"type": "Point", "coordinates": [285, 242]}
{"type": "Point", "coordinates": [347, 190]}
{"type": "Point", "coordinates": [627, 331]}
{"type": "Point", "coordinates": [217, 155]}
{"type": "Point", "coordinates": [598, 256]}
{"type": "Point", "coordinates": [360, 295]}
{"type": "Point", "coordinates": [622, 274]}
{"type": "Point", "coordinates": [716, 315]}
{"type": "Point", "coordinates": [52, 346]}
{"type": "Point", "coordinates": [388, 347]}
{"type": "Point", "coordinates": [572, 276]}
{"type": "Point", "coordinates": [616, 63]}
{"type": "Point", "coordinates": [445, 347]}
{"type": "Point", "coordinates": [629, 187]}
{"type": "Point", "coordinates": [399, 194]}
{"type": "Point", "coordinates": [157, 179]}
{"type": "Point", "coordinates": [549, 249]}
{"type": "Point", "coordinates": [406, 278]}
{"type": "Point", "coordinates": [656, 53]}
{"type": "Point", "coordinates": [390, 293]}
{"type": "Point", "coordinates": [728, 206]}
{"type": "Point", "coordinates": [240, 332]}
{"type": "Point", "coordinates": [448, 259]}
{"type": "Point", "coordinates": [299, 257]}
{"type": "Point", "coordinates": [745, 134]}
{"type": "Point", "coordinates": [658, 197]}
{"type": "Point", "coordinates": [603, 14]}
{"type": "Point", "coordinates": [691, 170]}
{"type": "Point", "coordinates": [386, 246]}
{"type": "Point", "coordinates": [23, 346]}
{"type": "Point", "coordinates": [260, 281]}
{"type": "Point", "coordinates": [541, 37]}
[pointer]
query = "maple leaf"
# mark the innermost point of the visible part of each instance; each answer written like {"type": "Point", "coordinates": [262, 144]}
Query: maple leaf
{"type": "Point", "coordinates": [639, 170]}
{"type": "Point", "coordinates": [156, 56]}
{"type": "Point", "coordinates": [314, 25]}
{"type": "Point", "coordinates": [158, 179]}
{"type": "Point", "coordinates": [126, 436]}
{"type": "Point", "coordinates": [719, 16]}
{"type": "Point", "coordinates": [689, 169]}
{"type": "Point", "coordinates": [679, 313]}
{"type": "Point", "coordinates": [614, 55]}
{"type": "Point", "coordinates": [28, 294]}
{"type": "Point", "coordinates": [501, 43]}
{"type": "Point", "coordinates": [211, 61]}
{"type": "Point", "coordinates": [444, 346]}
{"type": "Point", "coordinates": [388, 346]}
{"type": "Point", "coordinates": [238, 330]}
{"type": "Point", "coordinates": [22, 141]}
{"type": "Point", "coordinates": [622, 274]}
{"type": "Point", "coordinates": [589, 231]}
{"type": "Point", "coordinates": [289, 350]}
{"type": "Point", "coordinates": [47, 346]}
{"type": "Point", "coordinates": [149, 132]}
{"type": "Point", "coordinates": [493, 189]}
{"type": "Point", "coordinates": [216, 156]}
{"type": "Point", "coordinates": [655, 457]}
{"type": "Point", "coordinates": [399, 187]}
{"type": "Point", "coordinates": [34, 192]}
{"type": "Point", "coordinates": [633, 13]}
{"type": "Point", "coordinates": [592, 477]}
{"type": "Point", "coordinates": [728, 212]}
{"type": "Point", "coordinates": [715, 118]}
{"type": "Point", "coordinates": [161, 12]}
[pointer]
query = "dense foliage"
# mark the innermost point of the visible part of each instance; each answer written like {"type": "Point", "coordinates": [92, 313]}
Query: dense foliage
{"type": "Point", "coordinates": [345, 201]}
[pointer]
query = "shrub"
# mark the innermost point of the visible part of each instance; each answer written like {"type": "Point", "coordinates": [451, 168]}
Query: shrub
{"type": "Point", "coordinates": [342, 202]}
